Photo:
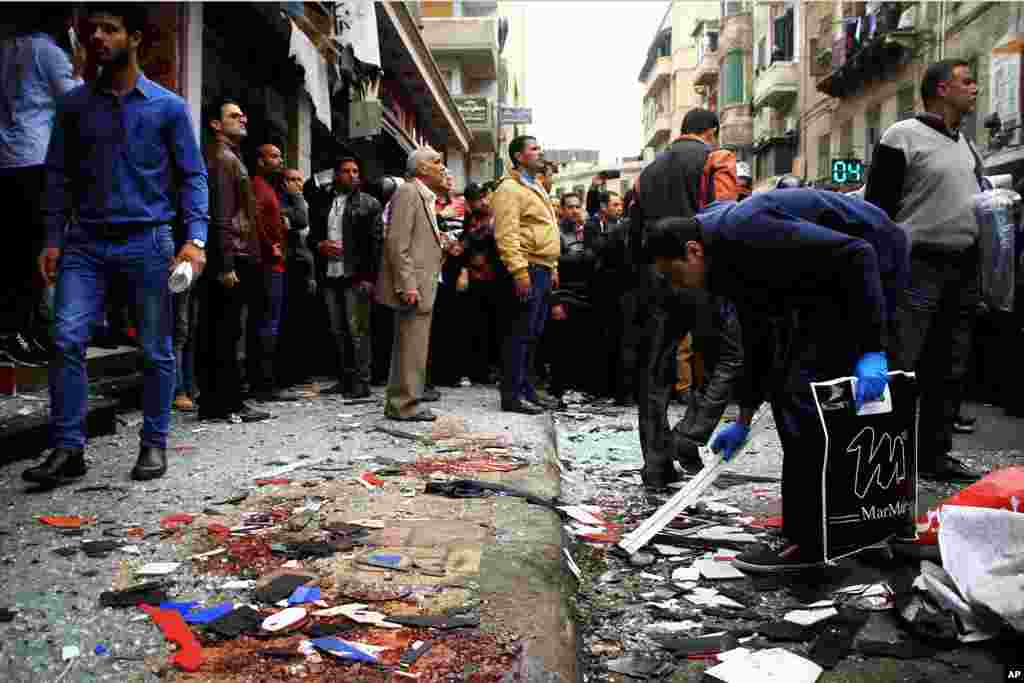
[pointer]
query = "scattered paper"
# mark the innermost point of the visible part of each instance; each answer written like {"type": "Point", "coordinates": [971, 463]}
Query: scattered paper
{"type": "Point", "coordinates": [983, 552]}
{"type": "Point", "coordinates": [573, 567]}
{"type": "Point", "coordinates": [284, 619]}
{"type": "Point", "coordinates": [711, 569]}
{"type": "Point", "coordinates": [735, 652]}
{"type": "Point", "coordinates": [211, 553]}
{"type": "Point", "coordinates": [686, 574]}
{"type": "Point", "coordinates": [339, 610]}
{"type": "Point", "coordinates": [721, 508]}
{"type": "Point", "coordinates": [709, 597]}
{"type": "Point", "coordinates": [650, 577]}
{"type": "Point", "coordinates": [583, 515]}
{"type": "Point", "coordinates": [672, 627]}
{"type": "Point", "coordinates": [819, 604]}
{"type": "Point", "coordinates": [131, 549]}
{"type": "Point", "coordinates": [69, 652]}
{"type": "Point", "coordinates": [766, 666]}
{"type": "Point", "coordinates": [806, 617]}
{"type": "Point", "coordinates": [158, 568]}
{"type": "Point", "coordinates": [669, 549]}
{"type": "Point", "coordinates": [238, 585]}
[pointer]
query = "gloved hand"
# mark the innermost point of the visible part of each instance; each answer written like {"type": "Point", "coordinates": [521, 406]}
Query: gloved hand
{"type": "Point", "coordinates": [730, 440]}
{"type": "Point", "coordinates": [872, 373]}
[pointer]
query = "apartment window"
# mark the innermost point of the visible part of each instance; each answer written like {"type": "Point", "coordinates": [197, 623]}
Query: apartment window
{"type": "Point", "coordinates": [846, 140]}
{"type": "Point", "coordinates": [905, 103]}
{"type": "Point", "coordinates": [872, 132]}
{"type": "Point", "coordinates": [730, 9]}
{"type": "Point", "coordinates": [734, 80]}
{"type": "Point", "coordinates": [824, 155]}
{"type": "Point", "coordinates": [782, 35]}
{"type": "Point", "coordinates": [712, 40]}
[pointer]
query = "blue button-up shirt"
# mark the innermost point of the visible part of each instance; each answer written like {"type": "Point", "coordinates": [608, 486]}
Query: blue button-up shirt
{"type": "Point", "coordinates": [124, 160]}
{"type": "Point", "coordinates": [34, 72]}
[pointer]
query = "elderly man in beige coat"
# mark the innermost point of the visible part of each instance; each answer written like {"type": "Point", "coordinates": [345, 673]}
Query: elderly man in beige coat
{"type": "Point", "coordinates": [408, 282]}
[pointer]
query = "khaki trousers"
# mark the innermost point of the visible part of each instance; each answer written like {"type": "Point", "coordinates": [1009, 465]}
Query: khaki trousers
{"type": "Point", "coordinates": [408, 363]}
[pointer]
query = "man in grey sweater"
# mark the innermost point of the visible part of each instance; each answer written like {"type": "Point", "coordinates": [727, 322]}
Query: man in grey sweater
{"type": "Point", "coordinates": [924, 174]}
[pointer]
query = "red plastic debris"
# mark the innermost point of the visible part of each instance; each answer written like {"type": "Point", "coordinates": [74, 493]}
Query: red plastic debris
{"type": "Point", "coordinates": [218, 530]}
{"type": "Point", "coordinates": [190, 656]}
{"type": "Point", "coordinates": [171, 522]}
{"type": "Point", "coordinates": [768, 522]}
{"type": "Point", "coordinates": [269, 482]}
{"type": "Point", "coordinates": [999, 490]}
{"type": "Point", "coordinates": [67, 522]}
{"type": "Point", "coordinates": [371, 479]}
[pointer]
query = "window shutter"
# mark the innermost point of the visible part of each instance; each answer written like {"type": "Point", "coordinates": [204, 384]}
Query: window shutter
{"type": "Point", "coordinates": [734, 78]}
{"type": "Point", "coordinates": [779, 38]}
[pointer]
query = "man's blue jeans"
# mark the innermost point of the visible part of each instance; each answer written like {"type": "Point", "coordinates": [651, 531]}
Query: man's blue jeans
{"type": "Point", "coordinates": [525, 321]}
{"type": "Point", "coordinates": [86, 269]}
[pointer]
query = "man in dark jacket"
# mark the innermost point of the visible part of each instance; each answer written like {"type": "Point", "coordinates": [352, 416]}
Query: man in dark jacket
{"type": "Point", "coordinates": [690, 174]}
{"type": "Point", "coordinates": [345, 226]}
{"type": "Point", "coordinates": [293, 360]}
{"type": "Point", "coordinates": [832, 267]}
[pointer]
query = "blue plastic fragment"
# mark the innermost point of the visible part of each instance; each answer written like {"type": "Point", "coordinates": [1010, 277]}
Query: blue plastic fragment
{"type": "Point", "coordinates": [205, 616]}
{"type": "Point", "coordinates": [101, 650]}
{"type": "Point", "coordinates": [394, 560]}
{"type": "Point", "coordinates": [304, 594]}
{"type": "Point", "coordinates": [182, 608]}
{"type": "Point", "coordinates": [344, 649]}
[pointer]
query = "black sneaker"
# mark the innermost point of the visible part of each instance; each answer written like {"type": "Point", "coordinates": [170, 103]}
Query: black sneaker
{"type": "Point", "coordinates": [16, 348]}
{"type": "Point", "coordinates": [776, 556]}
{"type": "Point", "coordinates": [962, 425]}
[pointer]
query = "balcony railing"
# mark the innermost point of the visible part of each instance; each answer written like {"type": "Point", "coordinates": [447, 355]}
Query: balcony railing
{"type": "Point", "coordinates": [777, 86]}
{"type": "Point", "coordinates": [473, 40]}
{"type": "Point", "coordinates": [707, 70]}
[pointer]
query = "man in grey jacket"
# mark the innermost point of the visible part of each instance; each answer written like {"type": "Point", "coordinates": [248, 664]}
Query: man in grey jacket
{"type": "Point", "coordinates": [924, 174]}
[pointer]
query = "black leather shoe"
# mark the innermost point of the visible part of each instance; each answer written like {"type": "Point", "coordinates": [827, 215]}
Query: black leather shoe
{"type": "Point", "coordinates": [63, 465]}
{"type": "Point", "coordinates": [430, 394]}
{"type": "Point", "coordinates": [359, 390]}
{"type": "Point", "coordinates": [152, 464]}
{"type": "Point", "coordinates": [963, 426]}
{"type": "Point", "coordinates": [522, 407]}
{"type": "Point", "coordinates": [659, 479]}
{"type": "Point", "coordinates": [337, 389]}
{"type": "Point", "coordinates": [949, 469]}
{"type": "Point", "coordinates": [250, 414]}
{"type": "Point", "coordinates": [273, 396]}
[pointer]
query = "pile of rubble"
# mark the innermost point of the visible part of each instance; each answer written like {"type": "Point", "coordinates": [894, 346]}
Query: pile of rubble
{"type": "Point", "coordinates": [676, 609]}
{"type": "Point", "coordinates": [286, 580]}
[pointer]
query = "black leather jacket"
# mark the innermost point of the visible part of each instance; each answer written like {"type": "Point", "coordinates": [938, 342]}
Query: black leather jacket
{"type": "Point", "coordinates": [362, 234]}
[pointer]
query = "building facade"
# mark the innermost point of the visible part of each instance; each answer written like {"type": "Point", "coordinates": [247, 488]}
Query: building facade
{"type": "Point", "coordinates": [863, 70]}
{"type": "Point", "coordinates": [463, 37]}
{"type": "Point", "coordinates": [669, 71]}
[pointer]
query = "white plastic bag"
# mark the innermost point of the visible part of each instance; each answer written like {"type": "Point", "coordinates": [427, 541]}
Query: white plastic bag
{"type": "Point", "coordinates": [998, 215]}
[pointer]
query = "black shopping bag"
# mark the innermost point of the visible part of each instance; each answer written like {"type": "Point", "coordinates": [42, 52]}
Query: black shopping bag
{"type": "Point", "coordinates": [869, 480]}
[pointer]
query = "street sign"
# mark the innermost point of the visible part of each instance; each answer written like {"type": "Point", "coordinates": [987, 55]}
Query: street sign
{"type": "Point", "coordinates": [516, 115]}
{"type": "Point", "coordinates": [846, 171]}
{"type": "Point", "coordinates": [474, 110]}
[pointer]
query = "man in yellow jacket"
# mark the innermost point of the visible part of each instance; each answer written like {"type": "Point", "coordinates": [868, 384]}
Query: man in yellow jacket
{"type": "Point", "coordinates": [526, 230]}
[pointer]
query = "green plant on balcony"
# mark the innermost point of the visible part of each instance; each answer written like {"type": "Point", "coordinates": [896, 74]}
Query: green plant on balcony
{"type": "Point", "coordinates": [824, 57]}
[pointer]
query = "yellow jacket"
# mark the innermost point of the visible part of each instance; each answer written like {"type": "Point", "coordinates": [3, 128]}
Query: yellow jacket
{"type": "Point", "coordinates": [525, 226]}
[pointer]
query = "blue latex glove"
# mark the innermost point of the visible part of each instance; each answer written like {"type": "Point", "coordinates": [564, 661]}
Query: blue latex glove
{"type": "Point", "coordinates": [872, 373]}
{"type": "Point", "coordinates": [730, 439]}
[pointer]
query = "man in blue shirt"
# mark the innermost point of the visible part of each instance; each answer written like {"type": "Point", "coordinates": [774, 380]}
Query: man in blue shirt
{"type": "Point", "coordinates": [815, 277]}
{"type": "Point", "coordinates": [124, 159]}
{"type": "Point", "coordinates": [34, 72]}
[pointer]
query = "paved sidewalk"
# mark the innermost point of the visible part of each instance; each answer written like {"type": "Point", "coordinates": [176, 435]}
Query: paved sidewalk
{"type": "Point", "coordinates": [497, 557]}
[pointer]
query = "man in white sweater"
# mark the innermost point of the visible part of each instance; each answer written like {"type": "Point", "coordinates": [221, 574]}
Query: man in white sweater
{"type": "Point", "coordinates": [924, 174]}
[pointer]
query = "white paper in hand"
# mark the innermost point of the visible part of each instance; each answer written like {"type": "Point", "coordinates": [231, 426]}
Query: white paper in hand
{"type": "Point", "coordinates": [181, 278]}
